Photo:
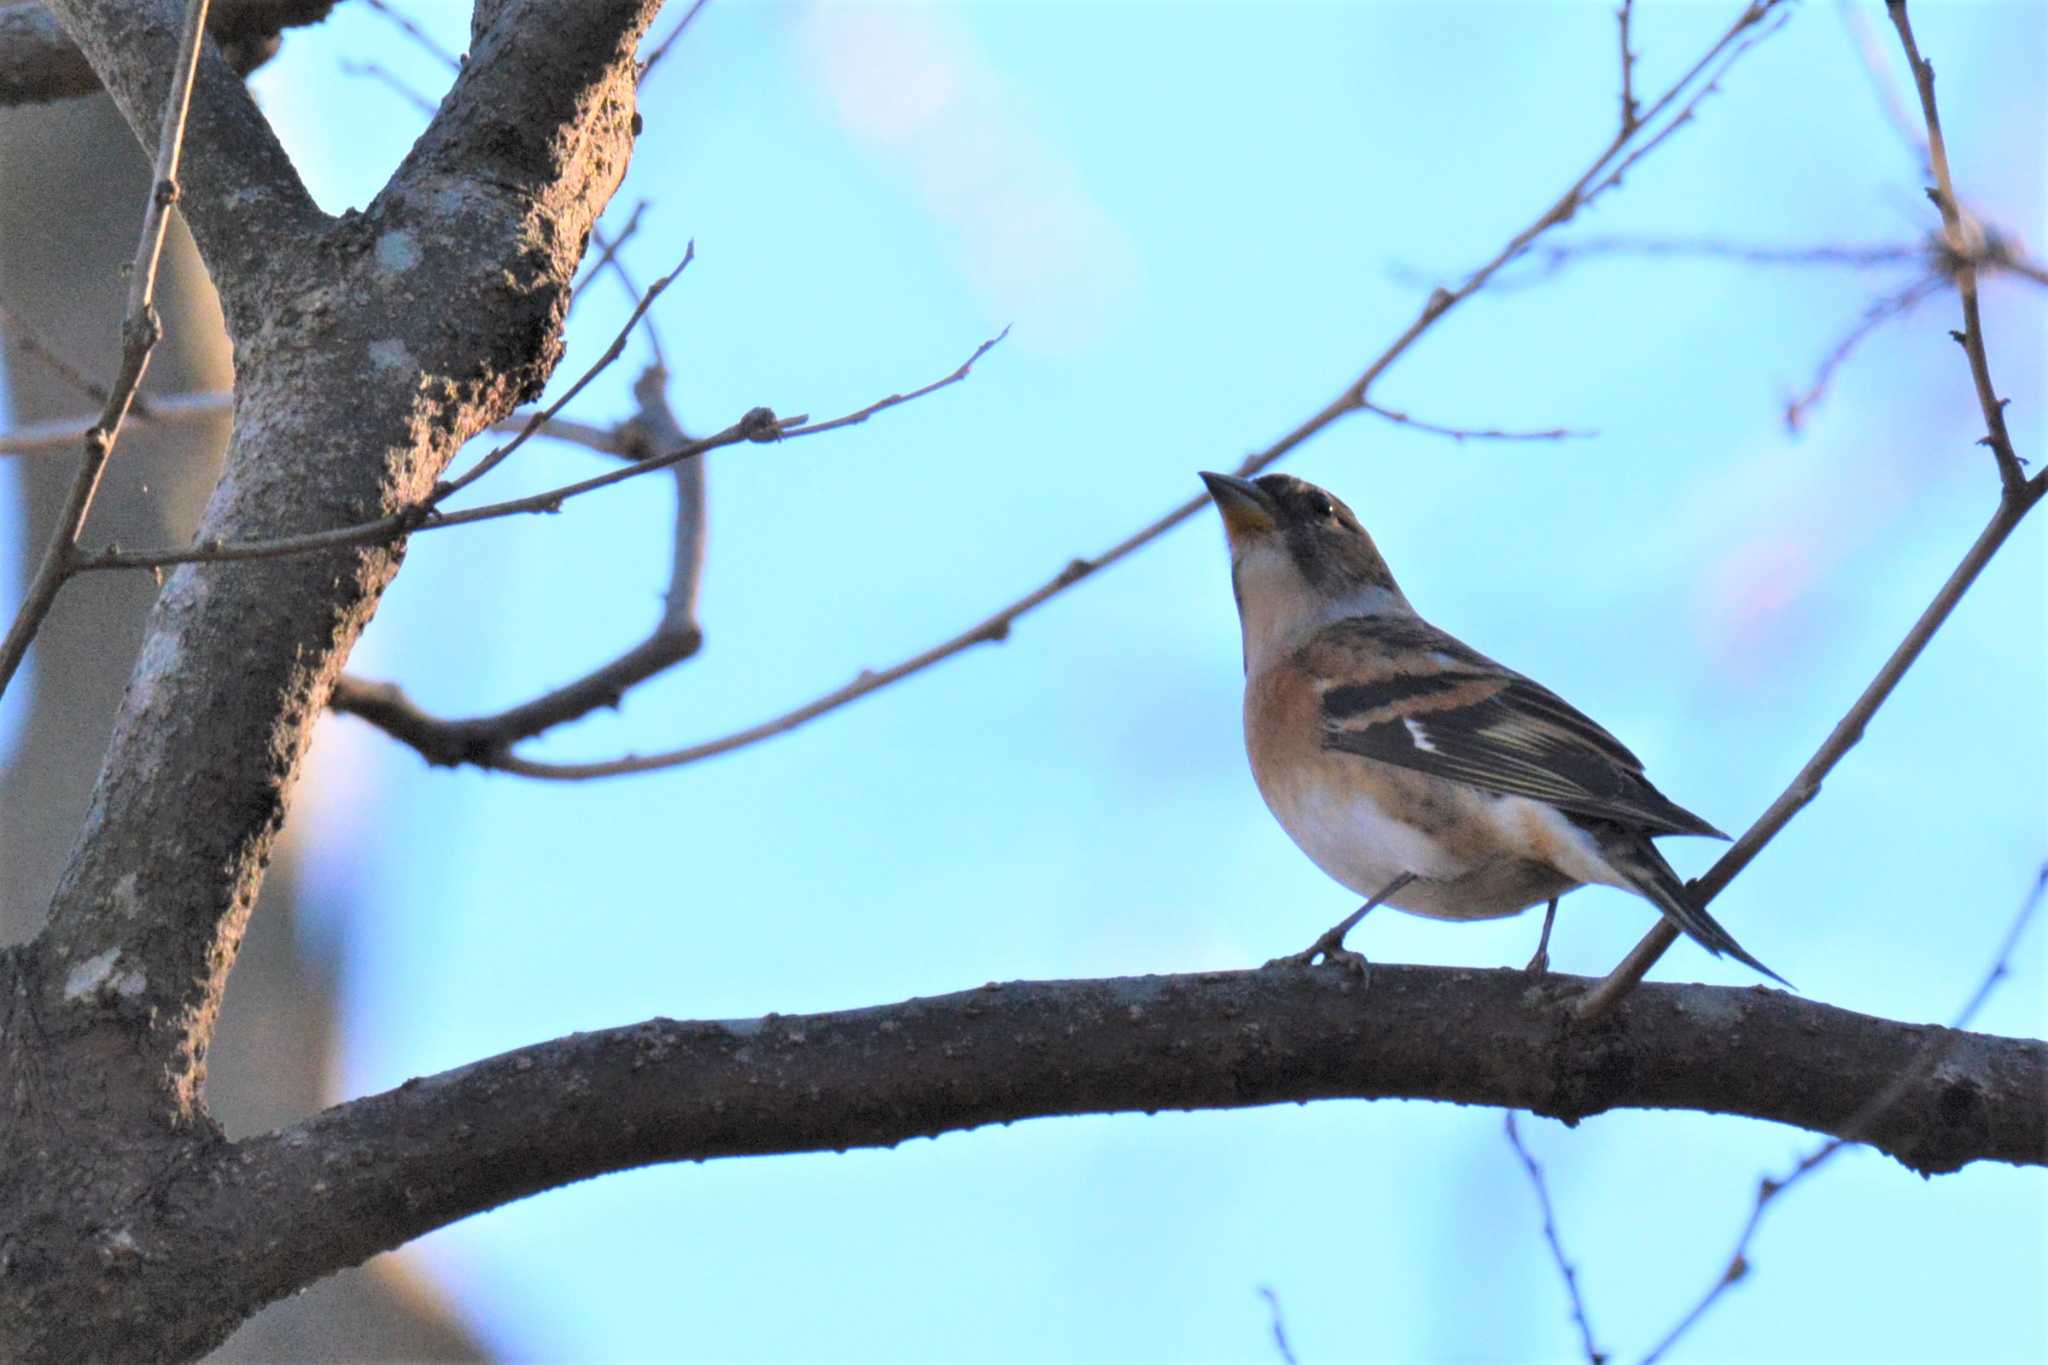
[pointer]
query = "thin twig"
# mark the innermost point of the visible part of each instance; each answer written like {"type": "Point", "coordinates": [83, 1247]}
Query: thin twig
{"type": "Point", "coordinates": [589, 435]}
{"type": "Point", "coordinates": [1280, 1343]}
{"type": "Point", "coordinates": [1464, 434]}
{"type": "Point", "coordinates": [420, 36]}
{"type": "Point", "coordinates": [375, 72]}
{"type": "Point", "coordinates": [654, 58]}
{"type": "Point", "coordinates": [996, 626]}
{"type": "Point", "coordinates": [1938, 1044]}
{"type": "Point", "coordinates": [1685, 115]}
{"type": "Point", "coordinates": [2017, 496]}
{"type": "Point", "coordinates": [43, 438]}
{"type": "Point", "coordinates": [141, 328]}
{"type": "Point", "coordinates": [612, 261]}
{"type": "Point", "coordinates": [483, 740]}
{"type": "Point", "coordinates": [1565, 1270]}
{"type": "Point", "coordinates": [1628, 70]}
{"type": "Point", "coordinates": [16, 328]}
{"type": "Point", "coordinates": [607, 249]}
{"type": "Point", "coordinates": [1875, 316]}
{"type": "Point", "coordinates": [1744, 253]}
{"type": "Point", "coordinates": [1965, 238]}
{"type": "Point", "coordinates": [1806, 784]}
{"type": "Point", "coordinates": [539, 419]}
{"type": "Point", "coordinates": [759, 425]}
{"type": "Point", "coordinates": [1871, 54]}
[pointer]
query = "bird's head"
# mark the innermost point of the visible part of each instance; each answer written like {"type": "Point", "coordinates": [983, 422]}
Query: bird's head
{"type": "Point", "coordinates": [1298, 559]}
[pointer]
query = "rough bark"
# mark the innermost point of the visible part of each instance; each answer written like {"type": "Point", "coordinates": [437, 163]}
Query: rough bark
{"type": "Point", "coordinates": [39, 62]}
{"type": "Point", "coordinates": [71, 183]}
{"type": "Point", "coordinates": [355, 385]}
{"type": "Point", "coordinates": [217, 1228]}
{"type": "Point", "coordinates": [368, 349]}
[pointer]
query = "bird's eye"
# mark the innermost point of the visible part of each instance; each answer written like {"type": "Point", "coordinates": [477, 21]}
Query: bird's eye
{"type": "Point", "coordinates": [1325, 509]}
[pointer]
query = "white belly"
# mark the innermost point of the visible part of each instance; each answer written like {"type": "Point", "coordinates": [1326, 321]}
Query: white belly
{"type": "Point", "coordinates": [1474, 855]}
{"type": "Point", "coordinates": [1359, 844]}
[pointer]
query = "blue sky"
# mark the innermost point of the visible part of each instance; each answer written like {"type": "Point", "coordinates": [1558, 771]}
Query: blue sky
{"type": "Point", "coordinates": [1201, 223]}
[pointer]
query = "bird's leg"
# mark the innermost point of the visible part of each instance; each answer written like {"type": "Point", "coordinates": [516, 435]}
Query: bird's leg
{"type": "Point", "coordinates": [1540, 963]}
{"type": "Point", "coordinates": [1330, 947]}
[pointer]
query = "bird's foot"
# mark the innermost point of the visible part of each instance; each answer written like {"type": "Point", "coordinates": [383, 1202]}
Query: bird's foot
{"type": "Point", "coordinates": [1331, 951]}
{"type": "Point", "coordinates": [1539, 965]}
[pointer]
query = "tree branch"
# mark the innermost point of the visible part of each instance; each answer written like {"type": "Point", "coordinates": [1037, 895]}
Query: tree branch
{"type": "Point", "coordinates": [2017, 496]}
{"type": "Point", "coordinates": [1929, 1056]}
{"type": "Point", "coordinates": [1680, 95]}
{"type": "Point", "coordinates": [236, 664]}
{"type": "Point", "coordinates": [486, 741]}
{"type": "Point", "coordinates": [758, 424]}
{"type": "Point", "coordinates": [376, 1172]}
{"type": "Point", "coordinates": [1551, 1237]}
{"type": "Point", "coordinates": [1964, 236]}
{"type": "Point", "coordinates": [141, 329]}
{"type": "Point", "coordinates": [39, 62]}
{"type": "Point", "coordinates": [1805, 785]}
{"type": "Point", "coordinates": [242, 194]}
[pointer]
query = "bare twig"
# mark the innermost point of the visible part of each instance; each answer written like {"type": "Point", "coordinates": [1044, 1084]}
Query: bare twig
{"type": "Point", "coordinates": [1871, 54]}
{"type": "Point", "coordinates": [1806, 784]}
{"type": "Point", "coordinates": [423, 39]}
{"type": "Point", "coordinates": [855, 418]}
{"type": "Point", "coordinates": [1353, 398]}
{"type": "Point", "coordinates": [1685, 114]}
{"type": "Point", "coordinates": [610, 260]}
{"type": "Point", "coordinates": [759, 425]}
{"type": "Point", "coordinates": [485, 740]}
{"type": "Point", "coordinates": [374, 71]}
{"type": "Point", "coordinates": [1931, 1053]}
{"type": "Point", "coordinates": [1745, 253]}
{"type": "Point", "coordinates": [1464, 434]}
{"type": "Point", "coordinates": [654, 58]}
{"type": "Point", "coordinates": [589, 435]}
{"type": "Point", "coordinates": [16, 328]}
{"type": "Point", "coordinates": [597, 367]}
{"type": "Point", "coordinates": [2017, 497]}
{"type": "Point", "coordinates": [608, 248]}
{"type": "Point", "coordinates": [1570, 1276]}
{"type": "Point", "coordinates": [43, 438]}
{"type": "Point", "coordinates": [141, 328]}
{"type": "Point", "coordinates": [1965, 238]}
{"type": "Point", "coordinates": [1628, 70]}
{"type": "Point", "coordinates": [1280, 1343]}
{"type": "Point", "coordinates": [1890, 306]}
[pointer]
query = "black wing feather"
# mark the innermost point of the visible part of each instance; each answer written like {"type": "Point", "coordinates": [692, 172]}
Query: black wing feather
{"type": "Point", "coordinates": [1493, 728]}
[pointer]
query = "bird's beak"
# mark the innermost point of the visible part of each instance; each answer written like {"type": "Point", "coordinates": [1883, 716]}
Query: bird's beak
{"type": "Point", "coordinates": [1247, 510]}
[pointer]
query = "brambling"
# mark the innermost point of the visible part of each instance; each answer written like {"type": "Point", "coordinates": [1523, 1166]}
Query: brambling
{"type": "Point", "coordinates": [1409, 766]}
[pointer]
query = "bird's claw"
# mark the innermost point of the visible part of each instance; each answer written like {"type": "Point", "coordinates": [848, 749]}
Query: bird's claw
{"type": "Point", "coordinates": [1332, 953]}
{"type": "Point", "coordinates": [1539, 965]}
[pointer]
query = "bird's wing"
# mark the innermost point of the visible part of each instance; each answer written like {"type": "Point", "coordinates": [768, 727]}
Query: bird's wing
{"type": "Point", "coordinates": [1403, 692]}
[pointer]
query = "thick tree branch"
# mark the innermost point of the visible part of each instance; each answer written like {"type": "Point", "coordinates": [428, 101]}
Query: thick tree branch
{"type": "Point", "coordinates": [355, 386]}
{"type": "Point", "coordinates": [236, 663]}
{"type": "Point", "coordinates": [1931, 1055]}
{"type": "Point", "coordinates": [39, 62]}
{"type": "Point", "coordinates": [376, 1172]}
{"type": "Point", "coordinates": [242, 196]}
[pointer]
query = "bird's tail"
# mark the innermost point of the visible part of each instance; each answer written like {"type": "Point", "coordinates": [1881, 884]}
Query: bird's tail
{"type": "Point", "coordinates": [1631, 853]}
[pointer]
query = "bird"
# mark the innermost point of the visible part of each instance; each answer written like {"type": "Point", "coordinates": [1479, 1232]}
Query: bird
{"type": "Point", "coordinates": [1411, 768]}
